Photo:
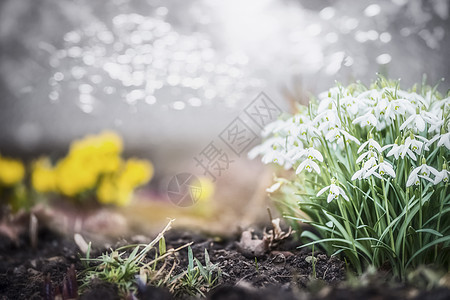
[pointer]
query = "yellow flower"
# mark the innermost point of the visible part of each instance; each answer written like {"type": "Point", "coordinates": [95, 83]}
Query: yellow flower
{"type": "Point", "coordinates": [106, 143]}
{"type": "Point", "coordinates": [207, 188]}
{"type": "Point", "coordinates": [136, 172]}
{"type": "Point", "coordinates": [12, 171]}
{"type": "Point", "coordinates": [109, 192]}
{"type": "Point", "coordinates": [43, 176]}
{"type": "Point", "coordinates": [74, 175]}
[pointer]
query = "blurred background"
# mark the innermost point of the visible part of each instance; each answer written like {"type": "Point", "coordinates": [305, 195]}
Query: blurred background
{"type": "Point", "coordinates": [170, 76]}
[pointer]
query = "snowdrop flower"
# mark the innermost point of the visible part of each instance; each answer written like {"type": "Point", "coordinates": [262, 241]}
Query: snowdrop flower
{"type": "Point", "coordinates": [415, 145]}
{"type": "Point", "coordinates": [383, 168]}
{"type": "Point", "coordinates": [335, 191]}
{"type": "Point", "coordinates": [348, 137]}
{"type": "Point", "coordinates": [309, 165]}
{"type": "Point", "coordinates": [367, 119]}
{"type": "Point", "coordinates": [275, 187]}
{"type": "Point", "coordinates": [265, 147]}
{"type": "Point", "coordinates": [434, 119]}
{"type": "Point", "coordinates": [273, 151]}
{"type": "Point", "coordinates": [329, 115]}
{"type": "Point", "coordinates": [400, 151]}
{"type": "Point", "coordinates": [325, 104]}
{"type": "Point", "coordinates": [372, 145]}
{"type": "Point", "coordinates": [398, 107]}
{"type": "Point", "coordinates": [310, 153]}
{"type": "Point", "coordinates": [394, 151]}
{"type": "Point", "coordinates": [417, 121]}
{"type": "Point", "coordinates": [423, 171]}
{"type": "Point", "coordinates": [350, 104]}
{"type": "Point", "coordinates": [444, 139]}
{"type": "Point", "coordinates": [369, 154]}
{"type": "Point", "coordinates": [413, 98]}
{"type": "Point", "coordinates": [442, 176]}
{"type": "Point", "coordinates": [367, 165]}
{"type": "Point", "coordinates": [308, 130]}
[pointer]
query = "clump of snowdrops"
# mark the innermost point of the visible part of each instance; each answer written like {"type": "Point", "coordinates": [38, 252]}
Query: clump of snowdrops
{"type": "Point", "coordinates": [371, 173]}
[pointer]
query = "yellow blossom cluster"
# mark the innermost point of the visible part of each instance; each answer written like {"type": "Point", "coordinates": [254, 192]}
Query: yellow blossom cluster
{"type": "Point", "coordinates": [93, 163]}
{"type": "Point", "coordinates": [12, 171]}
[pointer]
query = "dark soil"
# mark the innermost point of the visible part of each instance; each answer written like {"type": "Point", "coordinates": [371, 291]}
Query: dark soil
{"type": "Point", "coordinates": [286, 273]}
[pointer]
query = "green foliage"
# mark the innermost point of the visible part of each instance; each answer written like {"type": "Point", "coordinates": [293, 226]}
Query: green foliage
{"type": "Point", "coordinates": [129, 270]}
{"type": "Point", "coordinates": [376, 186]}
{"type": "Point", "coordinates": [199, 279]}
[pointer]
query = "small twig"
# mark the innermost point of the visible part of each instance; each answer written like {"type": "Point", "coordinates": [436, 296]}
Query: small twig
{"type": "Point", "coordinates": [33, 231]}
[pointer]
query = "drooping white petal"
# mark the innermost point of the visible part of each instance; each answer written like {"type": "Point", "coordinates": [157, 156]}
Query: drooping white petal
{"type": "Point", "coordinates": [412, 179]}
{"type": "Point", "coordinates": [330, 197]}
{"type": "Point", "coordinates": [362, 156]}
{"type": "Point", "coordinates": [406, 123]}
{"type": "Point", "coordinates": [387, 168]}
{"type": "Point", "coordinates": [316, 154]}
{"type": "Point", "coordinates": [420, 123]}
{"type": "Point", "coordinates": [444, 140]}
{"type": "Point", "coordinates": [315, 166]}
{"type": "Point", "coordinates": [322, 191]}
{"type": "Point", "coordinates": [358, 174]}
{"type": "Point", "coordinates": [274, 187]}
{"type": "Point", "coordinates": [301, 167]}
{"type": "Point", "coordinates": [342, 193]}
{"type": "Point", "coordinates": [362, 146]}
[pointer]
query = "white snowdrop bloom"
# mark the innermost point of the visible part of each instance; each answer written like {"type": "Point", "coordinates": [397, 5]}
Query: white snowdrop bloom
{"type": "Point", "coordinates": [309, 165]}
{"type": "Point", "coordinates": [413, 98]}
{"type": "Point", "coordinates": [367, 154]}
{"type": "Point", "coordinates": [326, 104]}
{"type": "Point", "coordinates": [367, 165]}
{"type": "Point", "coordinates": [443, 140]}
{"type": "Point", "coordinates": [265, 147]}
{"type": "Point", "coordinates": [441, 176]}
{"type": "Point", "coordinates": [334, 193]}
{"type": "Point", "coordinates": [415, 145]}
{"type": "Point", "coordinates": [436, 126]}
{"type": "Point", "coordinates": [381, 108]}
{"type": "Point", "coordinates": [329, 115]}
{"type": "Point", "coordinates": [273, 150]}
{"type": "Point", "coordinates": [333, 134]}
{"type": "Point", "coordinates": [350, 104]}
{"type": "Point", "coordinates": [333, 93]}
{"type": "Point", "coordinates": [434, 119]}
{"type": "Point", "coordinates": [310, 153]}
{"type": "Point", "coordinates": [417, 121]}
{"type": "Point", "coordinates": [370, 97]}
{"type": "Point", "coordinates": [367, 119]}
{"type": "Point", "coordinates": [274, 187]}
{"type": "Point", "coordinates": [359, 174]}
{"type": "Point", "coordinates": [274, 157]}
{"type": "Point", "coordinates": [349, 138]}
{"type": "Point", "coordinates": [400, 151]}
{"type": "Point", "coordinates": [308, 130]}
{"type": "Point", "coordinates": [398, 107]}
{"type": "Point", "coordinates": [372, 145]}
{"type": "Point", "coordinates": [383, 168]}
{"type": "Point", "coordinates": [423, 171]}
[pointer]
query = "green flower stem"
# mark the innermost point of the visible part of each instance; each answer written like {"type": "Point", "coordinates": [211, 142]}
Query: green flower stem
{"type": "Point", "coordinates": [438, 226]}
{"type": "Point", "coordinates": [388, 217]}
